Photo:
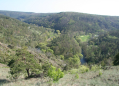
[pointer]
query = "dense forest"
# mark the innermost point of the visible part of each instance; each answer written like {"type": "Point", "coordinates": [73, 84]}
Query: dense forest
{"type": "Point", "coordinates": [102, 48]}
{"type": "Point", "coordinates": [68, 21]}
{"type": "Point", "coordinates": [76, 22]}
{"type": "Point", "coordinates": [64, 37]}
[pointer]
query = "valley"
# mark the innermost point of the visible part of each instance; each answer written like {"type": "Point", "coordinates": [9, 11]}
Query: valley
{"type": "Point", "coordinates": [58, 49]}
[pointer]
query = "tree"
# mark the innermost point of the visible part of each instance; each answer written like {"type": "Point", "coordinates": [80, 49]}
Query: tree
{"type": "Point", "coordinates": [58, 32]}
{"type": "Point", "coordinates": [23, 63]}
{"type": "Point", "coordinates": [74, 61]}
{"type": "Point", "coordinates": [116, 60]}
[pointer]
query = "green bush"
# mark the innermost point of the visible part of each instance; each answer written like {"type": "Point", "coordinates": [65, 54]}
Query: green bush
{"type": "Point", "coordinates": [74, 61]}
{"type": "Point", "coordinates": [100, 72]}
{"type": "Point", "coordinates": [83, 69]}
{"type": "Point", "coordinates": [50, 50]}
{"type": "Point", "coordinates": [41, 46]}
{"type": "Point", "coordinates": [43, 50]}
{"type": "Point", "coordinates": [55, 74]}
{"type": "Point", "coordinates": [95, 67]}
{"type": "Point", "coordinates": [77, 76]}
{"type": "Point", "coordinates": [74, 71]}
{"type": "Point", "coordinates": [62, 57]}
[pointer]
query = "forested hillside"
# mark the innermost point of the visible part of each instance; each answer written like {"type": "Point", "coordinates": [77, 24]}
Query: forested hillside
{"type": "Point", "coordinates": [66, 21]}
{"type": "Point", "coordinates": [103, 48]}
{"type": "Point", "coordinates": [24, 49]}
{"type": "Point", "coordinates": [76, 22]}
{"type": "Point", "coordinates": [73, 33]}
{"type": "Point", "coordinates": [17, 33]}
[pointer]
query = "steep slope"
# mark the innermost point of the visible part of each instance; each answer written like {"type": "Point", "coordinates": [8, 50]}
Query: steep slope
{"type": "Point", "coordinates": [17, 33]}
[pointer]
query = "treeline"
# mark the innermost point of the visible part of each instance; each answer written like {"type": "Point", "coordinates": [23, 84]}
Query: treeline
{"type": "Point", "coordinates": [15, 14]}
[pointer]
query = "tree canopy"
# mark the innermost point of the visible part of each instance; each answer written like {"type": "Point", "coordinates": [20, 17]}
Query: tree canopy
{"type": "Point", "coordinates": [23, 63]}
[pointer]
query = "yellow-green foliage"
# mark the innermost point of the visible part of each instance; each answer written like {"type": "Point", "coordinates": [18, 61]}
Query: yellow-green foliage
{"type": "Point", "coordinates": [100, 72]}
{"type": "Point", "coordinates": [74, 71]}
{"type": "Point", "coordinates": [80, 55]}
{"type": "Point", "coordinates": [78, 39]}
{"type": "Point", "coordinates": [95, 67]}
{"type": "Point", "coordinates": [42, 45]}
{"type": "Point", "coordinates": [113, 37]}
{"type": "Point", "coordinates": [43, 50]}
{"type": "Point", "coordinates": [50, 50]}
{"type": "Point", "coordinates": [77, 76]}
{"type": "Point", "coordinates": [83, 69]}
{"type": "Point", "coordinates": [55, 74]}
{"type": "Point", "coordinates": [62, 57]}
{"type": "Point", "coordinates": [58, 32]}
{"type": "Point", "coordinates": [71, 21]}
{"type": "Point", "coordinates": [84, 38]}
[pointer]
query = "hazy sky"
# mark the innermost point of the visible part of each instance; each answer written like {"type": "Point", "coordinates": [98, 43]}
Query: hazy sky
{"type": "Point", "coordinates": [101, 7]}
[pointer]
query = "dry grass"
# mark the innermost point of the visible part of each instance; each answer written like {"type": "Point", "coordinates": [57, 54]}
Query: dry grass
{"type": "Point", "coordinates": [109, 77]}
{"type": "Point", "coordinates": [3, 74]}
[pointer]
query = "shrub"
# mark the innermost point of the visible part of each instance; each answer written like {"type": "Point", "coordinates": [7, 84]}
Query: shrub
{"type": "Point", "coordinates": [74, 71]}
{"type": "Point", "coordinates": [100, 72]}
{"type": "Point", "coordinates": [43, 50]}
{"type": "Point", "coordinates": [62, 57]}
{"type": "Point", "coordinates": [50, 50]}
{"type": "Point", "coordinates": [77, 76]}
{"type": "Point", "coordinates": [95, 67]}
{"type": "Point", "coordinates": [83, 69]}
{"type": "Point", "coordinates": [55, 74]}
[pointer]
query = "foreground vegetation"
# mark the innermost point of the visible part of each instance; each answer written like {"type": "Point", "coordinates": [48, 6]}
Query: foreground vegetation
{"type": "Point", "coordinates": [109, 77]}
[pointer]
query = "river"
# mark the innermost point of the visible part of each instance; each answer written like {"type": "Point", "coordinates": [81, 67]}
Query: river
{"type": "Point", "coordinates": [83, 61]}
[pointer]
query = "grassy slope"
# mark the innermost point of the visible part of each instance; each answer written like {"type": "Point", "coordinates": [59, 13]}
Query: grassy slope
{"type": "Point", "coordinates": [110, 77]}
{"type": "Point", "coordinates": [84, 38]}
